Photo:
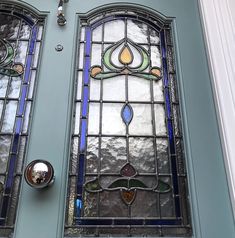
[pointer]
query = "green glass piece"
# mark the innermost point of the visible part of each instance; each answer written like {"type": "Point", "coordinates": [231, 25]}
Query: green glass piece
{"type": "Point", "coordinates": [93, 186]}
{"type": "Point", "coordinates": [145, 61]}
{"type": "Point", "coordinates": [9, 53]}
{"type": "Point", "coordinates": [120, 183]}
{"type": "Point", "coordinates": [8, 72]}
{"type": "Point", "coordinates": [135, 183]}
{"type": "Point", "coordinates": [162, 187]}
{"type": "Point", "coordinates": [107, 58]}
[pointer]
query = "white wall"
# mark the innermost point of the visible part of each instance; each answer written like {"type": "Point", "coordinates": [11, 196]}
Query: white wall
{"type": "Point", "coordinates": [219, 23]}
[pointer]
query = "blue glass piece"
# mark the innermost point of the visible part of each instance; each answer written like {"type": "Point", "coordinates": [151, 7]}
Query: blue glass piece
{"type": "Point", "coordinates": [85, 101]}
{"type": "Point", "coordinates": [88, 41]}
{"type": "Point", "coordinates": [78, 207]}
{"type": "Point", "coordinates": [5, 203]}
{"type": "Point", "coordinates": [11, 170]}
{"type": "Point", "coordinates": [18, 125]}
{"type": "Point", "coordinates": [127, 114]}
{"type": "Point", "coordinates": [162, 222]}
{"type": "Point", "coordinates": [129, 222]}
{"type": "Point", "coordinates": [105, 222]}
{"type": "Point", "coordinates": [22, 100]}
{"type": "Point", "coordinates": [27, 68]}
{"type": "Point", "coordinates": [177, 208]}
{"type": "Point", "coordinates": [5, 11]}
{"type": "Point", "coordinates": [86, 71]}
{"type": "Point", "coordinates": [15, 144]}
{"type": "Point", "coordinates": [83, 135]}
{"type": "Point", "coordinates": [2, 221]}
{"type": "Point", "coordinates": [33, 40]}
{"type": "Point", "coordinates": [80, 173]}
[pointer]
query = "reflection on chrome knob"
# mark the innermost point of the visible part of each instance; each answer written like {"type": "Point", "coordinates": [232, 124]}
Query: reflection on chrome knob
{"type": "Point", "coordinates": [39, 174]}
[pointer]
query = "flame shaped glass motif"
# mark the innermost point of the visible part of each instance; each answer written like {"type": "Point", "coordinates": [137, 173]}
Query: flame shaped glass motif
{"type": "Point", "coordinates": [127, 114]}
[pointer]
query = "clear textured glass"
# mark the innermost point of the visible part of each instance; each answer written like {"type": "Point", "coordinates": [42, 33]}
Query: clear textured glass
{"type": "Point", "coordinates": [167, 205]}
{"type": "Point", "coordinates": [77, 119]}
{"type": "Point", "coordinates": [36, 54]}
{"type": "Point", "coordinates": [112, 116]}
{"type": "Point", "coordinates": [141, 123]}
{"type": "Point", "coordinates": [92, 164]}
{"type": "Point", "coordinates": [94, 89]}
{"type": "Point", "coordinates": [5, 142]}
{"type": "Point", "coordinates": [79, 85]}
{"type": "Point", "coordinates": [9, 117]}
{"type": "Point", "coordinates": [81, 55]}
{"type": "Point", "coordinates": [94, 118]}
{"type": "Point", "coordinates": [40, 31]}
{"type": "Point", "coordinates": [96, 54]}
{"type": "Point", "coordinates": [158, 90]}
{"type": "Point", "coordinates": [160, 123]}
{"type": "Point", "coordinates": [113, 154]}
{"type": "Point", "coordinates": [32, 82]}
{"type": "Point", "coordinates": [9, 27]}
{"type": "Point", "coordinates": [162, 156]}
{"type": "Point", "coordinates": [112, 28]}
{"type": "Point", "coordinates": [97, 33]}
{"type": "Point", "coordinates": [26, 117]}
{"type": "Point", "coordinates": [114, 88]}
{"type": "Point", "coordinates": [137, 31]}
{"type": "Point", "coordinates": [14, 90]}
{"type": "Point", "coordinates": [21, 152]}
{"type": "Point", "coordinates": [138, 89]}
{"type": "Point", "coordinates": [25, 31]}
{"type": "Point", "coordinates": [1, 107]}
{"type": "Point", "coordinates": [3, 85]}
{"type": "Point", "coordinates": [155, 56]}
{"type": "Point", "coordinates": [21, 52]}
{"type": "Point", "coordinates": [154, 36]}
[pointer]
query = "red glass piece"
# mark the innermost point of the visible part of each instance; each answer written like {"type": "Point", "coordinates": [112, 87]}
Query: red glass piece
{"type": "Point", "coordinates": [128, 170]}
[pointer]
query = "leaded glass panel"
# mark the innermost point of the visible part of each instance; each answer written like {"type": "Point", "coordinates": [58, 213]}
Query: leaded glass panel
{"type": "Point", "coordinates": [20, 42]}
{"type": "Point", "coordinates": [127, 174]}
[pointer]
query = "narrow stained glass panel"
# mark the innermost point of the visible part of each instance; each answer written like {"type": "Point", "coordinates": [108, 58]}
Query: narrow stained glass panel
{"type": "Point", "coordinates": [127, 158]}
{"type": "Point", "coordinates": [20, 39]}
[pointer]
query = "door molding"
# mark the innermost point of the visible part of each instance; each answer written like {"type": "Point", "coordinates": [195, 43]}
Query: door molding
{"type": "Point", "coordinates": [219, 31]}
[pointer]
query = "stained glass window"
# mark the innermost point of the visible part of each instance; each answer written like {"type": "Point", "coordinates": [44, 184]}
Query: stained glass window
{"type": "Point", "coordinates": [20, 42]}
{"type": "Point", "coordinates": [127, 171]}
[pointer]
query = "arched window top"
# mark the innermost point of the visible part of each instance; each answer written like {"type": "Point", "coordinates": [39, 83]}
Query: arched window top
{"type": "Point", "coordinates": [127, 173]}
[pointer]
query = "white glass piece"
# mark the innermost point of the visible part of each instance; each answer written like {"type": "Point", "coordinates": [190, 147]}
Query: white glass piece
{"type": "Point", "coordinates": [9, 117]}
{"type": "Point", "coordinates": [40, 30]}
{"type": "Point", "coordinates": [115, 56]}
{"type": "Point", "coordinates": [137, 59]}
{"type": "Point", "coordinates": [36, 54]}
{"type": "Point", "coordinates": [158, 90]}
{"type": "Point", "coordinates": [113, 154]}
{"type": "Point", "coordinates": [114, 88]}
{"type": "Point", "coordinates": [137, 31]}
{"type": "Point", "coordinates": [155, 56]}
{"type": "Point", "coordinates": [79, 85]}
{"type": "Point", "coordinates": [160, 123]}
{"type": "Point", "coordinates": [81, 55]}
{"type": "Point", "coordinates": [1, 107]}
{"type": "Point", "coordinates": [97, 34]}
{"type": "Point", "coordinates": [94, 118]}
{"type": "Point", "coordinates": [141, 123]}
{"type": "Point", "coordinates": [3, 85]}
{"type": "Point", "coordinates": [154, 37]}
{"type": "Point", "coordinates": [114, 30]}
{"type": "Point", "coordinates": [138, 89]}
{"type": "Point", "coordinates": [96, 54]}
{"type": "Point", "coordinates": [77, 119]}
{"type": "Point", "coordinates": [25, 31]}
{"type": "Point", "coordinates": [32, 82]}
{"type": "Point", "coordinates": [82, 36]}
{"type": "Point", "coordinates": [112, 116]}
{"type": "Point", "coordinates": [95, 89]}
{"type": "Point", "coordinates": [21, 52]}
{"type": "Point", "coordinates": [14, 90]}
{"type": "Point", "coordinates": [26, 117]}
{"type": "Point", "coordinates": [5, 142]}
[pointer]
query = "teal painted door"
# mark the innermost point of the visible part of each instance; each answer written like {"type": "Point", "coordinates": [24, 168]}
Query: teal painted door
{"type": "Point", "coordinates": [41, 213]}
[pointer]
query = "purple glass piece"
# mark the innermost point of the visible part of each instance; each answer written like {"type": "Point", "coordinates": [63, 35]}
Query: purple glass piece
{"type": "Point", "coordinates": [128, 171]}
{"type": "Point", "coordinates": [33, 40]}
{"type": "Point", "coordinates": [15, 144]}
{"type": "Point", "coordinates": [11, 170]}
{"type": "Point", "coordinates": [22, 100]}
{"type": "Point", "coordinates": [127, 114]}
{"type": "Point", "coordinates": [27, 69]}
{"type": "Point", "coordinates": [83, 135]}
{"type": "Point", "coordinates": [85, 101]}
{"type": "Point", "coordinates": [18, 125]}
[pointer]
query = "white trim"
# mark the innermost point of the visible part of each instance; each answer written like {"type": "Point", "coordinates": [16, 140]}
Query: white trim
{"type": "Point", "coordinates": [218, 18]}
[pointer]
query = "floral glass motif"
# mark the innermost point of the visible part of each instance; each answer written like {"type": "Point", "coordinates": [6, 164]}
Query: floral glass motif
{"type": "Point", "coordinates": [20, 42]}
{"type": "Point", "coordinates": [127, 175]}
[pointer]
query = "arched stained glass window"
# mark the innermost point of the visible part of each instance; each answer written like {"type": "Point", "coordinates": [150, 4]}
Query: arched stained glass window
{"type": "Point", "coordinates": [127, 174]}
{"type": "Point", "coordinates": [20, 42]}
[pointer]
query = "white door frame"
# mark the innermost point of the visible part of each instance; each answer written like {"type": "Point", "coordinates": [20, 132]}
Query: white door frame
{"type": "Point", "coordinates": [218, 19]}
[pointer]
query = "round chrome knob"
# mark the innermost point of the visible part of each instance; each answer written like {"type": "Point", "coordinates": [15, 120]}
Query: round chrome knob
{"type": "Point", "coordinates": [39, 174]}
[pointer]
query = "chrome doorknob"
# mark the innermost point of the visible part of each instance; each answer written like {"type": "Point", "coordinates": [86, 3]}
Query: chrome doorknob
{"type": "Point", "coordinates": [39, 174]}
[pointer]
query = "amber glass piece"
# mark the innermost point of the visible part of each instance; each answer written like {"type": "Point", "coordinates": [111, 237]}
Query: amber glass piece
{"type": "Point", "coordinates": [156, 72]}
{"type": "Point", "coordinates": [95, 70]}
{"type": "Point", "coordinates": [18, 68]}
{"type": "Point", "coordinates": [126, 56]}
{"type": "Point", "coordinates": [128, 196]}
